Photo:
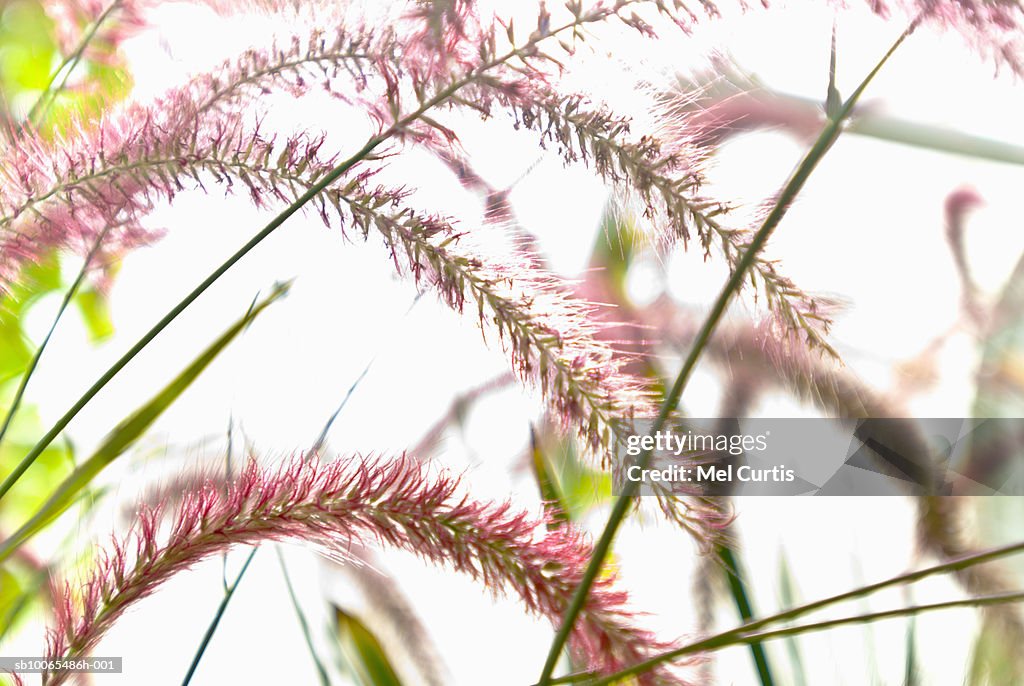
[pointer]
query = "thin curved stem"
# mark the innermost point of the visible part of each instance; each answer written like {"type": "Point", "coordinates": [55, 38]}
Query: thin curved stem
{"type": "Point", "coordinates": [212, 628]}
{"type": "Point", "coordinates": [622, 504]}
{"type": "Point", "coordinates": [307, 635]}
{"type": "Point", "coordinates": [960, 563]}
{"type": "Point", "coordinates": [42, 105]}
{"type": "Point", "coordinates": [68, 296]}
{"type": "Point", "coordinates": [717, 642]}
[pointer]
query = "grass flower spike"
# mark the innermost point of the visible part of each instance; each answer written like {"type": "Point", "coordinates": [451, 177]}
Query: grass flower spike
{"type": "Point", "coordinates": [331, 505]}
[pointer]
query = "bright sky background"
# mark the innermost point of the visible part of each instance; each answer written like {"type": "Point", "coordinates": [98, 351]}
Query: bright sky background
{"type": "Point", "coordinates": [869, 228]}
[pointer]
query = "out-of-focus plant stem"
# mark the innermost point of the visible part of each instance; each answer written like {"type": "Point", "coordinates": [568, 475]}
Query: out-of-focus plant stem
{"type": "Point", "coordinates": [747, 101]}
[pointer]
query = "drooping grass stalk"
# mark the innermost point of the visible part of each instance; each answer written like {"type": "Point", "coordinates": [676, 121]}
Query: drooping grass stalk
{"type": "Point", "coordinates": [400, 124]}
{"type": "Point", "coordinates": [322, 55]}
{"type": "Point", "coordinates": [789, 192]}
{"type": "Point", "coordinates": [867, 123]}
{"type": "Point", "coordinates": [68, 297]}
{"type": "Point", "coordinates": [229, 589]}
{"type": "Point", "coordinates": [332, 506]}
{"type": "Point", "coordinates": [210, 630]}
{"type": "Point", "coordinates": [165, 321]}
{"type": "Point", "coordinates": [732, 638]}
{"type": "Point", "coordinates": [37, 115]}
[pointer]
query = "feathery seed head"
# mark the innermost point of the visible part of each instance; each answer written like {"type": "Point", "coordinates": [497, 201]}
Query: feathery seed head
{"type": "Point", "coordinates": [365, 500]}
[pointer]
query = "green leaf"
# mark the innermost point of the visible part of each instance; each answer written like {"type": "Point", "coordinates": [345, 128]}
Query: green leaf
{"type": "Point", "coordinates": [10, 593]}
{"type": "Point", "coordinates": [549, 491]}
{"type": "Point", "coordinates": [993, 660]}
{"type": "Point", "coordinates": [95, 311]}
{"type": "Point", "coordinates": [36, 280]}
{"type": "Point", "coordinates": [321, 670]}
{"type": "Point", "coordinates": [735, 577]}
{"type": "Point", "coordinates": [363, 652]}
{"type": "Point", "coordinates": [130, 430]}
{"type": "Point", "coordinates": [18, 594]}
{"type": "Point", "coordinates": [581, 487]}
{"type": "Point", "coordinates": [617, 243]}
{"type": "Point", "coordinates": [52, 467]}
{"type": "Point", "coordinates": [29, 49]}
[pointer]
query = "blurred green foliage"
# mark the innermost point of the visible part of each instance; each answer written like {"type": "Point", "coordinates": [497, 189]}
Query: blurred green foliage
{"type": "Point", "coordinates": [38, 280]}
{"type": "Point", "coordinates": [16, 350]}
{"type": "Point", "coordinates": [565, 481]}
{"type": "Point", "coordinates": [362, 653]}
{"type": "Point", "coordinates": [28, 52]}
{"type": "Point", "coordinates": [125, 434]}
{"type": "Point", "coordinates": [29, 57]}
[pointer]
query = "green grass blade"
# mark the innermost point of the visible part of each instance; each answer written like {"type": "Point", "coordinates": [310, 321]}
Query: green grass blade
{"type": "Point", "coordinates": [789, 192]}
{"type": "Point", "coordinates": [321, 671]}
{"type": "Point", "coordinates": [95, 312]}
{"type": "Point", "coordinates": [212, 628]}
{"type": "Point", "coordinates": [130, 430]}
{"type": "Point", "coordinates": [735, 576]}
{"type": "Point", "coordinates": [937, 139]}
{"type": "Point", "coordinates": [321, 440]}
{"type": "Point", "coordinates": [547, 484]}
{"type": "Point", "coordinates": [71, 293]}
{"type": "Point", "coordinates": [363, 651]}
